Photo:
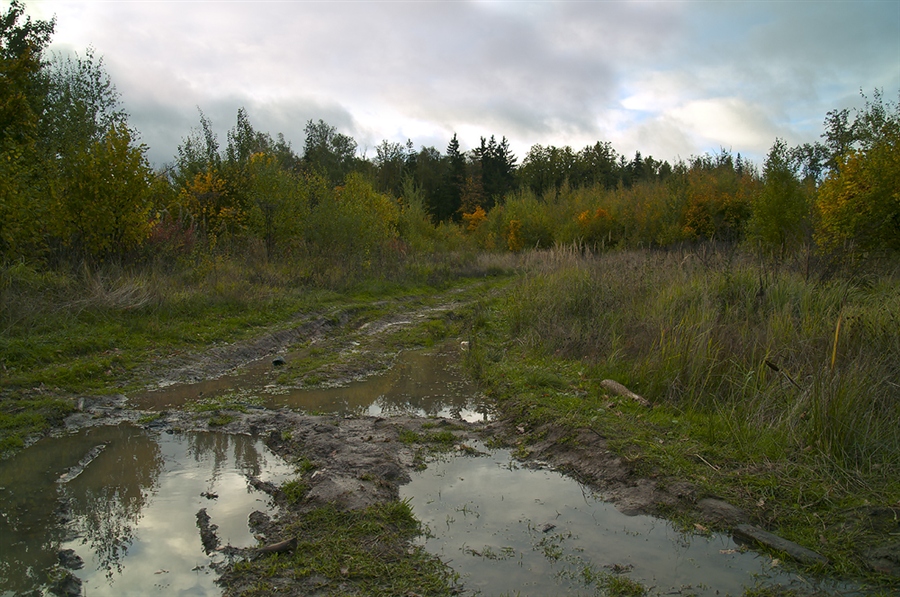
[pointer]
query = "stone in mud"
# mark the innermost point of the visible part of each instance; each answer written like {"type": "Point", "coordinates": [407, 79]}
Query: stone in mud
{"type": "Point", "coordinates": [885, 559]}
{"type": "Point", "coordinates": [720, 513]}
{"type": "Point", "coordinates": [278, 361]}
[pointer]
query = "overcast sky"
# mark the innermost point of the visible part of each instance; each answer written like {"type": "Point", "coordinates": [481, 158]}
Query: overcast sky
{"type": "Point", "coordinates": [671, 79]}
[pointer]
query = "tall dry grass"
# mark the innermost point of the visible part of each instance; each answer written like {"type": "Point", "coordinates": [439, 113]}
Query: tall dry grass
{"type": "Point", "coordinates": [720, 333]}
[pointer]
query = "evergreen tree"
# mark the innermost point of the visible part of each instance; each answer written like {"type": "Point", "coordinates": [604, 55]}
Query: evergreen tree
{"type": "Point", "coordinates": [449, 201]}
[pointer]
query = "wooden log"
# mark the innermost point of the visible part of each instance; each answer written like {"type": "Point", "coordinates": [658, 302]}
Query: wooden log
{"type": "Point", "coordinates": [280, 547]}
{"type": "Point", "coordinates": [614, 387]}
{"type": "Point", "coordinates": [751, 534]}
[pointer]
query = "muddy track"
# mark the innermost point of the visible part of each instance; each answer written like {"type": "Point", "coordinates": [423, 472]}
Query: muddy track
{"type": "Point", "coordinates": [339, 328]}
{"type": "Point", "coordinates": [360, 461]}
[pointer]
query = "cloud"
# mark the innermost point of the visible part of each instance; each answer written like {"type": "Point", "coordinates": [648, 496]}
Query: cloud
{"type": "Point", "coordinates": [681, 77]}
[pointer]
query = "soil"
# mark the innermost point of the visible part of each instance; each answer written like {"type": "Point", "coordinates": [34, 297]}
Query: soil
{"type": "Point", "coordinates": [361, 461]}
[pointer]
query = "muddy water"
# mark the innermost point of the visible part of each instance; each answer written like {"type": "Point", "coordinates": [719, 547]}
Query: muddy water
{"type": "Point", "coordinates": [125, 501]}
{"type": "Point", "coordinates": [421, 383]}
{"type": "Point", "coordinates": [509, 530]}
{"type": "Point", "coordinates": [129, 509]}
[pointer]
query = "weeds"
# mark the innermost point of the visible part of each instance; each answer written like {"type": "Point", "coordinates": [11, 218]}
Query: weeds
{"type": "Point", "coordinates": [737, 362]}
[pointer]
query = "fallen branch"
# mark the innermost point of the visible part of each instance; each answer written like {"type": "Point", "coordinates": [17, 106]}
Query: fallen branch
{"type": "Point", "coordinates": [280, 547]}
{"type": "Point", "coordinates": [618, 389]}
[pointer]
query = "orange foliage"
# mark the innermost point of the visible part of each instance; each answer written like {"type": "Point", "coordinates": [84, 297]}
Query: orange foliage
{"type": "Point", "coordinates": [205, 198]}
{"type": "Point", "coordinates": [594, 226]}
{"type": "Point", "coordinates": [475, 218]}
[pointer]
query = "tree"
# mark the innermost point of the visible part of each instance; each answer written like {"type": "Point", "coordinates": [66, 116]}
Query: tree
{"type": "Point", "coordinates": [447, 204]}
{"type": "Point", "coordinates": [596, 164]}
{"type": "Point", "coordinates": [22, 81]}
{"type": "Point", "coordinates": [391, 167]}
{"type": "Point", "coordinates": [328, 152]}
{"type": "Point", "coordinates": [81, 105]}
{"type": "Point", "coordinates": [278, 206]}
{"type": "Point", "coordinates": [197, 153]}
{"type": "Point", "coordinates": [431, 177]}
{"type": "Point", "coordinates": [546, 168]}
{"type": "Point", "coordinates": [23, 184]}
{"type": "Point", "coordinates": [780, 213]}
{"type": "Point", "coordinates": [497, 166]}
{"type": "Point", "coordinates": [105, 205]}
{"type": "Point", "coordinates": [858, 204]}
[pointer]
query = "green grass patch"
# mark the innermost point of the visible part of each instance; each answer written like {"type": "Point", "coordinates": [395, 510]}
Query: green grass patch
{"type": "Point", "coordinates": [294, 491]}
{"type": "Point", "coordinates": [367, 549]}
{"type": "Point", "coordinates": [21, 418]}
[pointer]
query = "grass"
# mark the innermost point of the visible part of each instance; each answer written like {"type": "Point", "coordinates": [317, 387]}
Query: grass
{"type": "Point", "coordinates": [737, 360]}
{"type": "Point", "coordinates": [98, 332]}
{"type": "Point", "coordinates": [369, 548]}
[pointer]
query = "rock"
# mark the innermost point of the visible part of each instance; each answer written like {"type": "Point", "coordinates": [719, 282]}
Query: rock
{"type": "Point", "coordinates": [280, 547]}
{"type": "Point", "coordinates": [885, 559]}
{"type": "Point", "coordinates": [279, 361]}
{"type": "Point", "coordinates": [751, 534]}
{"type": "Point", "coordinates": [721, 513]}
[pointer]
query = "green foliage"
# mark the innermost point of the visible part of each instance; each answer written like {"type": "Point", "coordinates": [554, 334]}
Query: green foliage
{"type": "Point", "coordinates": [105, 206]}
{"type": "Point", "coordinates": [280, 203]}
{"type": "Point", "coordinates": [858, 204]}
{"type": "Point", "coordinates": [23, 417]}
{"type": "Point", "coordinates": [354, 223]}
{"type": "Point", "coordinates": [414, 225]}
{"type": "Point", "coordinates": [780, 213]}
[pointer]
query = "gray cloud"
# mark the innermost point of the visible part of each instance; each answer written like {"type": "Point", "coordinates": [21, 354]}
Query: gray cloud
{"type": "Point", "coordinates": [671, 79]}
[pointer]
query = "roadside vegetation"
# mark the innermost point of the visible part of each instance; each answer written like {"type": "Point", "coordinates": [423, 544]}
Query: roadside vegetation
{"type": "Point", "coordinates": [770, 390]}
{"type": "Point", "coordinates": [756, 308]}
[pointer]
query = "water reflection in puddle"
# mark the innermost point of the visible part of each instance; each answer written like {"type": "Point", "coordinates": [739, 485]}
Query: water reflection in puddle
{"type": "Point", "coordinates": [131, 513]}
{"type": "Point", "coordinates": [422, 383]}
{"type": "Point", "coordinates": [514, 531]}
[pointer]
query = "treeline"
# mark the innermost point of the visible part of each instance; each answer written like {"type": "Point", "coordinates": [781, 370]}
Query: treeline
{"type": "Point", "coordinates": [75, 185]}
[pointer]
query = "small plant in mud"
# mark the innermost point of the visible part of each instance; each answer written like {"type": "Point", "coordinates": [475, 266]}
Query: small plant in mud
{"type": "Point", "coordinates": [294, 491]}
{"type": "Point", "coordinates": [622, 586]}
{"type": "Point", "coordinates": [151, 417]}
{"type": "Point", "coordinates": [219, 419]}
{"type": "Point", "coordinates": [234, 402]}
{"type": "Point", "coordinates": [348, 552]}
{"type": "Point", "coordinates": [304, 465]}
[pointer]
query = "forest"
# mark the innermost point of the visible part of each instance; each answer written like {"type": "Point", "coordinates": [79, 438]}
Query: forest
{"type": "Point", "coordinates": [77, 187]}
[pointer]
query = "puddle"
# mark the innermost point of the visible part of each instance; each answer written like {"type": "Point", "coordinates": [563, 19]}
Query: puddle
{"type": "Point", "coordinates": [421, 383]}
{"type": "Point", "coordinates": [509, 530]}
{"type": "Point", "coordinates": [131, 512]}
